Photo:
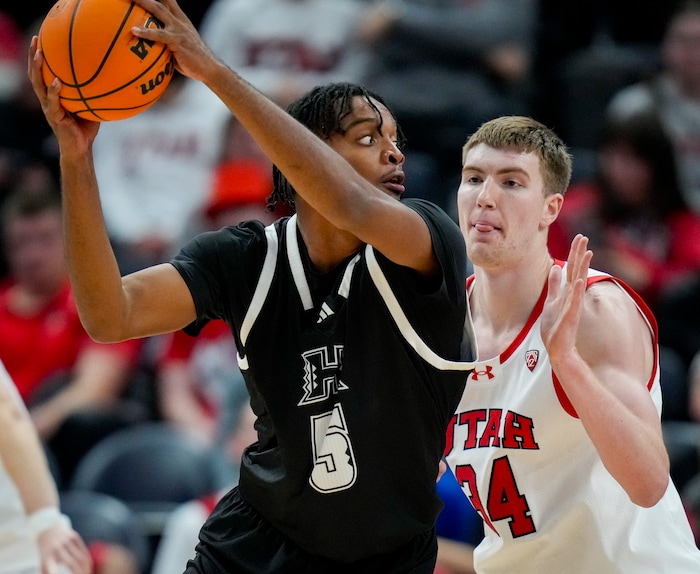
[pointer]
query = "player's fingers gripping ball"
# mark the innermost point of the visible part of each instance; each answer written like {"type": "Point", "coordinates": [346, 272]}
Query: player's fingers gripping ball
{"type": "Point", "coordinates": [106, 72]}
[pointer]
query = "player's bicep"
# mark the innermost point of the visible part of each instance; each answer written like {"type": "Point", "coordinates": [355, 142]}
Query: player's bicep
{"type": "Point", "coordinates": [617, 343]}
{"type": "Point", "coordinates": [158, 301]}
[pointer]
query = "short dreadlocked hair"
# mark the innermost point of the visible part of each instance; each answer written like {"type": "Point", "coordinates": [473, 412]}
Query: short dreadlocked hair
{"type": "Point", "coordinates": [322, 111]}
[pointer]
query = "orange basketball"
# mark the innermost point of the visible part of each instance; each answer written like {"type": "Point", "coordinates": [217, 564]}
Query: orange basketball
{"type": "Point", "coordinates": [107, 73]}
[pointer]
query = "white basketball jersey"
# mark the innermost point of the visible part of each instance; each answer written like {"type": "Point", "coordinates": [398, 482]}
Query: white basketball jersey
{"type": "Point", "coordinates": [527, 465]}
{"type": "Point", "coordinates": [19, 553]}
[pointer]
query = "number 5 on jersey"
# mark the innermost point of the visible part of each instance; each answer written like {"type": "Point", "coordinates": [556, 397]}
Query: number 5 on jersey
{"type": "Point", "coordinates": [334, 460]}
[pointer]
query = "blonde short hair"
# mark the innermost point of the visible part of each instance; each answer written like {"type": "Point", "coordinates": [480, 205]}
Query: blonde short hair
{"type": "Point", "coordinates": [527, 135]}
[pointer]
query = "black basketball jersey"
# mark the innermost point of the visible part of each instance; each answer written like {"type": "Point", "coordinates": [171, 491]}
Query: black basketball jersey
{"type": "Point", "coordinates": [353, 375]}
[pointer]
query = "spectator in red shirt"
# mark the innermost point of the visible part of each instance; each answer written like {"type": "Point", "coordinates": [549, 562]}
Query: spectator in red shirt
{"type": "Point", "coordinates": [71, 384]}
{"type": "Point", "coordinates": [640, 228]}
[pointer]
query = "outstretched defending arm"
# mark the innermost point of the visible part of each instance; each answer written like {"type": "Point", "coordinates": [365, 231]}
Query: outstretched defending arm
{"type": "Point", "coordinates": [598, 351]}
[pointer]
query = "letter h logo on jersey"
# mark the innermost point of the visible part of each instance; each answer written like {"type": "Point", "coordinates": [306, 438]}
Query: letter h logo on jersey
{"type": "Point", "coordinates": [322, 374]}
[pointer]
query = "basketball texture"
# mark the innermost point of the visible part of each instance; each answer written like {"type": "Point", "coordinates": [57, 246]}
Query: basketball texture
{"type": "Point", "coordinates": [106, 72]}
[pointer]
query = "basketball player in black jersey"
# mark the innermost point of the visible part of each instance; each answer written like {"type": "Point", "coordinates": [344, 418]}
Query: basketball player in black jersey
{"type": "Point", "coordinates": [348, 318]}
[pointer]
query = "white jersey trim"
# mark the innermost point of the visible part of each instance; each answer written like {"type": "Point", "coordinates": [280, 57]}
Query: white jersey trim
{"type": "Point", "coordinates": [407, 330]}
{"type": "Point", "coordinates": [260, 294]}
{"type": "Point", "coordinates": [294, 257]}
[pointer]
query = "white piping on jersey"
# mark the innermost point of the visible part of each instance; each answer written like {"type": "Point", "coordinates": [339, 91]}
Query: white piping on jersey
{"type": "Point", "coordinates": [263, 286]}
{"type": "Point", "coordinates": [408, 332]}
{"type": "Point", "coordinates": [377, 275]}
{"type": "Point", "coordinates": [298, 269]}
{"type": "Point", "coordinates": [344, 288]}
{"type": "Point", "coordinates": [296, 265]}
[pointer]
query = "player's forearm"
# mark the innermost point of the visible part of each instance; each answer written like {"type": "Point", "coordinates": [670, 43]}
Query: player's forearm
{"type": "Point", "coordinates": [323, 178]}
{"type": "Point", "coordinates": [93, 269]}
{"type": "Point", "coordinates": [23, 456]}
{"type": "Point", "coordinates": [627, 441]}
{"type": "Point", "coordinates": [320, 175]}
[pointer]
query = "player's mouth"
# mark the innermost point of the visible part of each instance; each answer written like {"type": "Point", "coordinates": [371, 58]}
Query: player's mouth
{"type": "Point", "coordinates": [394, 183]}
{"type": "Point", "coordinates": [485, 226]}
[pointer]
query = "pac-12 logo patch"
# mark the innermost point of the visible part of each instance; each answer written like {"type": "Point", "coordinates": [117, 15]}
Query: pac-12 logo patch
{"type": "Point", "coordinates": [531, 358]}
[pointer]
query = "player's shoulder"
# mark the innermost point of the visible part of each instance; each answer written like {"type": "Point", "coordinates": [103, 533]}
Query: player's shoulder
{"type": "Point", "coordinates": [601, 287]}
{"type": "Point", "coordinates": [228, 245]}
{"type": "Point", "coordinates": [609, 302]}
{"type": "Point", "coordinates": [603, 294]}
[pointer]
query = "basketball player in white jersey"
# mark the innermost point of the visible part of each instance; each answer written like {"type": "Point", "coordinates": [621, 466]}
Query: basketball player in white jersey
{"type": "Point", "coordinates": [35, 538]}
{"type": "Point", "coordinates": [557, 440]}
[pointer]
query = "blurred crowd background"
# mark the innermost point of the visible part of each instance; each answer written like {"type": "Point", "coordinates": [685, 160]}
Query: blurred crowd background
{"type": "Point", "coordinates": [618, 80]}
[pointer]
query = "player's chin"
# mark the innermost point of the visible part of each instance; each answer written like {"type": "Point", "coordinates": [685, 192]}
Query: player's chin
{"type": "Point", "coordinates": [478, 243]}
{"type": "Point", "coordinates": [393, 189]}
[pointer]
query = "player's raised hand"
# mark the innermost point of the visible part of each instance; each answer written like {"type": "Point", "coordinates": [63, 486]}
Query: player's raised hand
{"type": "Point", "coordinates": [75, 135]}
{"type": "Point", "coordinates": [193, 57]}
{"type": "Point", "coordinates": [63, 550]}
{"type": "Point", "coordinates": [562, 308]}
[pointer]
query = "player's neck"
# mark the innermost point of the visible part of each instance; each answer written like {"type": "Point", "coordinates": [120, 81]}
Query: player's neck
{"type": "Point", "coordinates": [504, 297]}
{"type": "Point", "coordinates": [326, 245]}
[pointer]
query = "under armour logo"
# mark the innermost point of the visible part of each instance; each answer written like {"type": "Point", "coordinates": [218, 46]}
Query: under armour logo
{"type": "Point", "coordinates": [486, 372]}
{"type": "Point", "coordinates": [531, 358]}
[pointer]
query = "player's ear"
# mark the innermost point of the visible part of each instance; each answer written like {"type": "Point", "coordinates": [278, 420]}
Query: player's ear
{"type": "Point", "coordinates": [551, 209]}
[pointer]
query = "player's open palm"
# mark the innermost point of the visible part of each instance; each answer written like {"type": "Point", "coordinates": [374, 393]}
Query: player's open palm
{"type": "Point", "coordinates": [562, 308]}
{"type": "Point", "coordinates": [74, 135]}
